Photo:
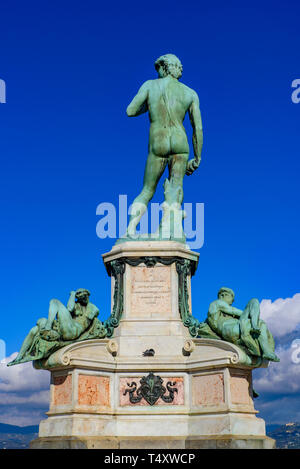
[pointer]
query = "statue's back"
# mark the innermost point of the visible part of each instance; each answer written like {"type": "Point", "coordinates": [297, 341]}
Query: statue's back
{"type": "Point", "coordinates": [168, 101]}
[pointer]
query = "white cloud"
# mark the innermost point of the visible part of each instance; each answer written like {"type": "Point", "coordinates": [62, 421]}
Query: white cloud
{"type": "Point", "coordinates": [282, 316]}
{"type": "Point", "coordinates": [36, 399]}
{"type": "Point", "coordinates": [281, 378]}
{"type": "Point", "coordinates": [22, 377]}
{"type": "Point", "coordinates": [24, 393]}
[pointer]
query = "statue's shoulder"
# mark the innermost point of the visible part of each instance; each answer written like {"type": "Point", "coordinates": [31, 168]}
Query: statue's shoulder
{"type": "Point", "coordinates": [147, 84]}
{"type": "Point", "coordinates": [213, 305]}
{"type": "Point", "coordinates": [188, 90]}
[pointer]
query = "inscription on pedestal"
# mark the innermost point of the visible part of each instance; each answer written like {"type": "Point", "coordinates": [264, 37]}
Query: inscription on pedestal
{"type": "Point", "coordinates": [151, 291]}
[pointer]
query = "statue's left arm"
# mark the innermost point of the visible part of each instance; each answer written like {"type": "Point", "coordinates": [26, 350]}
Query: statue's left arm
{"type": "Point", "coordinates": [196, 122]}
{"type": "Point", "coordinates": [139, 103]}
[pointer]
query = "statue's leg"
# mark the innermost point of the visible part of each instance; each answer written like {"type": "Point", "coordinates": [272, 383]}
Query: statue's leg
{"type": "Point", "coordinates": [266, 342]}
{"type": "Point", "coordinates": [54, 307]}
{"type": "Point", "coordinates": [177, 169]}
{"type": "Point", "coordinates": [27, 343]}
{"type": "Point", "coordinates": [67, 326]}
{"type": "Point", "coordinates": [246, 337]}
{"type": "Point", "coordinates": [155, 166]}
{"type": "Point", "coordinates": [252, 311]}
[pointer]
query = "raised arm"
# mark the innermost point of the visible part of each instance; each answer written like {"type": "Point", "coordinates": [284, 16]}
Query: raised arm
{"type": "Point", "coordinates": [139, 103]}
{"type": "Point", "coordinates": [71, 302]}
{"type": "Point", "coordinates": [196, 122]}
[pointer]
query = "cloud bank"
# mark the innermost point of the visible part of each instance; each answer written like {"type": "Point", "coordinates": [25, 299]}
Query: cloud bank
{"type": "Point", "coordinates": [279, 384]}
{"type": "Point", "coordinates": [282, 316]}
{"type": "Point", "coordinates": [24, 393]}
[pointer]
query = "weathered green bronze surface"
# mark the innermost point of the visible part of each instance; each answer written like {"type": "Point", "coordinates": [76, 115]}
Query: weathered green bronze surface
{"type": "Point", "coordinates": [64, 325]}
{"type": "Point", "coordinates": [167, 101]}
{"type": "Point", "coordinates": [117, 269]}
{"type": "Point", "coordinates": [183, 267]}
{"type": "Point", "coordinates": [151, 390]}
{"type": "Point", "coordinates": [242, 328]}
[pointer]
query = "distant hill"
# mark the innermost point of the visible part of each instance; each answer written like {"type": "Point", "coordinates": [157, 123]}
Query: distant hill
{"type": "Point", "coordinates": [14, 437]}
{"type": "Point", "coordinates": [287, 436]}
{"type": "Point", "coordinates": [5, 428]}
{"type": "Point", "coordinates": [270, 428]}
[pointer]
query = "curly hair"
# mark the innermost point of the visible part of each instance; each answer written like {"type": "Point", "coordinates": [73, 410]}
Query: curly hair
{"type": "Point", "coordinates": [166, 61]}
{"type": "Point", "coordinates": [82, 291]}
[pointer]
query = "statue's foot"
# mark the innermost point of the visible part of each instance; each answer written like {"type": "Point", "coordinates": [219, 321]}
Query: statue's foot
{"type": "Point", "coordinates": [271, 356]}
{"type": "Point", "coordinates": [126, 237]}
{"type": "Point", "coordinates": [14, 362]}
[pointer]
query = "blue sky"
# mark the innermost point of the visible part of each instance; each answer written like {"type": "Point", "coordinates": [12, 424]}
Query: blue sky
{"type": "Point", "coordinates": [66, 144]}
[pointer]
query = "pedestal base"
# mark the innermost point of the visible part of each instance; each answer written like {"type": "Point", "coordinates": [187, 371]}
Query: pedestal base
{"type": "Point", "coordinates": [211, 442]}
{"type": "Point", "coordinates": [186, 393]}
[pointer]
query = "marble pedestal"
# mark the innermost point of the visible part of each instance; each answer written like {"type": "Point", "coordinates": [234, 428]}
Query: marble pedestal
{"type": "Point", "coordinates": [205, 396]}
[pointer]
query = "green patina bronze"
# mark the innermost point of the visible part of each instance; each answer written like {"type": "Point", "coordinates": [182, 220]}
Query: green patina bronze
{"type": "Point", "coordinates": [240, 327]}
{"type": "Point", "coordinates": [65, 325]}
{"type": "Point", "coordinates": [184, 269]}
{"type": "Point", "coordinates": [224, 322]}
{"type": "Point", "coordinates": [151, 389]}
{"type": "Point", "coordinates": [78, 321]}
{"type": "Point", "coordinates": [117, 269]}
{"type": "Point", "coordinates": [167, 101]}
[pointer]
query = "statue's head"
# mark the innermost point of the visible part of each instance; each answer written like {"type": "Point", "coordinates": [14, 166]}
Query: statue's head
{"type": "Point", "coordinates": [168, 64]}
{"type": "Point", "coordinates": [82, 296]}
{"type": "Point", "coordinates": [226, 294]}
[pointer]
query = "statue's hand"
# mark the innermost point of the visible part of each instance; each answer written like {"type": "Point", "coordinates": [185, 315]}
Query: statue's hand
{"type": "Point", "coordinates": [192, 165]}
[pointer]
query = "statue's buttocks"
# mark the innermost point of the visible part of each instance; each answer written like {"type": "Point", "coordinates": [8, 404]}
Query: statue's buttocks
{"type": "Point", "coordinates": [168, 101]}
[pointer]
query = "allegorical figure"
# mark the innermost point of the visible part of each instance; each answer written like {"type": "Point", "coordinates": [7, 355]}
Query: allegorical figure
{"type": "Point", "coordinates": [167, 101]}
{"type": "Point", "coordinates": [64, 324]}
{"type": "Point", "coordinates": [243, 328]}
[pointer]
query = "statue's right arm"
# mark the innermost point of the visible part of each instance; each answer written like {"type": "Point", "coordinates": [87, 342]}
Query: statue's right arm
{"type": "Point", "coordinates": [227, 309]}
{"type": "Point", "coordinates": [139, 103]}
{"type": "Point", "coordinates": [71, 302]}
{"type": "Point", "coordinates": [196, 122]}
